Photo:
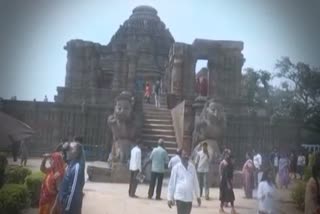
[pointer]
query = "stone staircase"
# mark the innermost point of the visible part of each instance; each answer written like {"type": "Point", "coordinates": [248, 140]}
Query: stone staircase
{"type": "Point", "coordinates": [158, 124]}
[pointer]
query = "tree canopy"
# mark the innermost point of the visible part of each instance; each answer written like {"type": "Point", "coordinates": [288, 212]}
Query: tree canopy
{"type": "Point", "coordinates": [298, 96]}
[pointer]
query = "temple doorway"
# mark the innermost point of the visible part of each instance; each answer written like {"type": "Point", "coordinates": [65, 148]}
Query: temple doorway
{"type": "Point", "coordinates": [202, 77]}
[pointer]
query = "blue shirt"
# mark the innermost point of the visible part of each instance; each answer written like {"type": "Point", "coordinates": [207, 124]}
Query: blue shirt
{"type": "Point", "coordinates": [70, 193]}
{"type": "Point", "coordinates": [159, 158]}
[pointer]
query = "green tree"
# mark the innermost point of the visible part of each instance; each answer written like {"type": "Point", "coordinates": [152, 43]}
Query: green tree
{"type": "Point", "coordinates": [302, 83]}
{"type": "Point", "coordinates": [257, 86]}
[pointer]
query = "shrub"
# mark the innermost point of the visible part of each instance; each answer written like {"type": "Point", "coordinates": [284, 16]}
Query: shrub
{"type": "Point", "coordinates": [298, 193]}
{"type": "Point", "coordinates": [13, 198]}
{"type": "Point", "coordinates": [307, 173]}
{"type": "Point", "coordinates": [33, 183]}
{"type": "Point", "coordinates": [16, 174]}
{"type": "Point", "coordinates": [3, 165]}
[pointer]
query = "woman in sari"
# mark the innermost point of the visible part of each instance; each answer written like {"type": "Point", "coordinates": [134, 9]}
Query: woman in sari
{"type": "Point", "coordinates": [51, 182]}
{"type": "Point", "coordinates": [284, 165]}
{"type": "Point", "coordinates": [248, 176]}
{"type": "Point", "coordinates": [148, 92]}
{"type": "Point", "coordinates": [226, 184]}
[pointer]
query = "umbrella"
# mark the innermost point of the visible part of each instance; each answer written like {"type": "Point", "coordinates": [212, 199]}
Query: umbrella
{"type": "Point", "coordinates": [13, 129]}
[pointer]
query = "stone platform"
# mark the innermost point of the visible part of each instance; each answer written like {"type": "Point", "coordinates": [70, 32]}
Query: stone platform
{"type": "Point", "coordinates": [102, 172]}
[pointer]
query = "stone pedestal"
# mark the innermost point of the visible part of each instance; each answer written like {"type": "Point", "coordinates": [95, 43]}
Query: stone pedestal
{"type": "Point", "coordinates": [102, 172]}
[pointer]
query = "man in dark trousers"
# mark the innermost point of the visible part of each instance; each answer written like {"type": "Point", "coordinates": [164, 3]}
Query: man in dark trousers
{"type": "Point", "coordinates": [183, 185]}
{"type": "Point", "coordinates": [135, 169]}
{"type": "Point", "coordinates": [159, 158]}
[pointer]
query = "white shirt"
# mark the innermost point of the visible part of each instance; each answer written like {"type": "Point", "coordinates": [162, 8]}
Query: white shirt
{"type": "Point", "coordinates": [301, 160]}
{"type": "Point", "coordinates": [174, 161]}
{"type": "Point", "coordinates": [202, 162]}
{"type": "Point", "coordinates": [267, 192]}
{"type": "Point", "coordinates": [183, 183]}
{"type": "Point", "coordinates": [135, 159]}
{"type": "Point", "coordinates": [257, 161]}
{"type": "Point", "coordinates": [276, 161]}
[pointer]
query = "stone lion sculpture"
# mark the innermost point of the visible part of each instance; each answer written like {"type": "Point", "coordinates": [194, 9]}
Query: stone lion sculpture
{"type": "Point", "coordinates": [123, 127]}
{"type": "Point", "coordinates": [211, 123]}
{"type": "Point", "coordinates": [209, 128]}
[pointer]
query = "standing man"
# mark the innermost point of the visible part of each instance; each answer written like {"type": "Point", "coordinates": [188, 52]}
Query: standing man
{"type": "Point", "coordinates": [183, 184]}
{"type": "Point", "coordinates": [70, 194]}
{"type": "Point", "coordinates": [301, 163]}
{"type": "Point", "coordinates": [175, 159]}
{"type": "Point", "coordinates": [135, 169]}
{"type": "Point", "coordinates": [157, 94]}
{"type": "Point", "coordinates": [159, 158]}
{"type": "Point", "coordinates": [202, 165]}
{"type": "Point", "coordinates": [257, 162]}
{"type": "Point", "coordinates": [23, 153]}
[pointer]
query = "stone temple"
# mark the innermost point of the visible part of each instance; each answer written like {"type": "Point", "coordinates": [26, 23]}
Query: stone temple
{"type": "Point", "coordinates": [142, 50]}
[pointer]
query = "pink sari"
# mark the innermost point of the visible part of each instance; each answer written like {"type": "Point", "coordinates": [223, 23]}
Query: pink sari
{"type": "Point", "coordinates": [248, 178]}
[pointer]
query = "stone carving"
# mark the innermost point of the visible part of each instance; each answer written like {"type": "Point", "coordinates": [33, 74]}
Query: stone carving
{"type": "Point", "coordinates": [123, 126]}
{"type": "Point", "coordinates": [211, 123]}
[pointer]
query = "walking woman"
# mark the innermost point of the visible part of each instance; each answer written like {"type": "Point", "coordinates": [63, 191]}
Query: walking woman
{"type": "Point", "coordinates": [248, 176]}
{"type": "Point", "coordinates": [226, 186]}
{"type": "Point", "coordinates": [284, 165]}
{"type": "Point", "coordinates": [312, 197]}
{"type": "Point", "coordinates": [266, 193]}
{"type": "Point", "coordinates": [148, 92]}
{"type": "Point", "coordinates": [50, 184]}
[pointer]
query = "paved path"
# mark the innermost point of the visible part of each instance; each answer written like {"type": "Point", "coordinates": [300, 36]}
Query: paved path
{"type": "Point", "coordinates": [107, 198]}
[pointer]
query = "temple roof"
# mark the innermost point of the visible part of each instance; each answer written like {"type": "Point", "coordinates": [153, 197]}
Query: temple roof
{"type": "Point", "coordinates": [143, 21]}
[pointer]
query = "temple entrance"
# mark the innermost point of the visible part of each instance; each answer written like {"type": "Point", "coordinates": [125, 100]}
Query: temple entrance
{"type": "Point", "coordinates": [202, 77]}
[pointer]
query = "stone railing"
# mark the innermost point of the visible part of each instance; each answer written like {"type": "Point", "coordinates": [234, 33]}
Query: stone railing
{"type": "Point", "coordinates": [177, 114]}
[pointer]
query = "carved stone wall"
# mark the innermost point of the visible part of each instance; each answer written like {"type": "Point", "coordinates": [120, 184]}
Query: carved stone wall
{"type": "Point", "coordinates": [54, 121]}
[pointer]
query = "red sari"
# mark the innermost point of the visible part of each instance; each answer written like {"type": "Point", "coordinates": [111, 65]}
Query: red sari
{"type": "Point", "coordinates": [49, 189]}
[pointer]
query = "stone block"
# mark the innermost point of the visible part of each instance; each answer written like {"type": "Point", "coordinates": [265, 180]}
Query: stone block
{"type": "Point", "coordinates": [102, 172]}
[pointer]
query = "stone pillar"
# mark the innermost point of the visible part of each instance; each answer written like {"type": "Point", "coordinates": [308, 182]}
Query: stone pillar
{"type": "Point", "coordinates": [176, 78]}
{"type": "Point", "coordinates": [188, 126]}
{"type": "Point", "coordinates": [132, 62]}
{"type": "Point", "coordinates": [116, 71]}
{"type": "Point", "coordinates": [212, 86]}
{"type": "Point", "coordinates": [239, 61]}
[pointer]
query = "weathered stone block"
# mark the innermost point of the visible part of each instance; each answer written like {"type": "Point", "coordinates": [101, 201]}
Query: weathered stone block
{"type": "Point", "coordinates": [102, 172]}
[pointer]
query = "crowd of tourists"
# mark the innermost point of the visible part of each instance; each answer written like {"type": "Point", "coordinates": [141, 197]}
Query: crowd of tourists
{"type": "Point", "coordinates": [62, 187]}
{"type": "Point", "coordinates": [190, 178]}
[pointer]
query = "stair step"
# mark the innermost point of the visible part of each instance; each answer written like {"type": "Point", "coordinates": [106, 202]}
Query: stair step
{"type": "Point", "coordinates": [157, 128]}
{"type": "Point", "coordinates": [171, 150]}
{"type": "Point", "coordinates": [158, 131]}
{"type": "Point", "coordinates": [158, 136]}
{"type": "Point", "coordinates": [154, 143]}
{"type": "Point", "coordinates": [153, 107]}
{"type": "Point", "coordinates": [154, 111]}
{"type": "Point", "coordinates": [172, 143]}
{"type": "Point", "coordinates": [158, 121]}
{"type": "Point", "coordinates": [153, 125]}
{"type": "Point", "coordinates": [158, 117]}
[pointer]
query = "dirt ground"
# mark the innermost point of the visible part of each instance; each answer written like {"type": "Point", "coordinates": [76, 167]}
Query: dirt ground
{"type": "Point", "coordinates": [107, 198]}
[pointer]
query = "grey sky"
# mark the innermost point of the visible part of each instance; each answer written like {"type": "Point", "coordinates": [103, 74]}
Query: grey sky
{"type": "Point", "coordinates": [33, 33]}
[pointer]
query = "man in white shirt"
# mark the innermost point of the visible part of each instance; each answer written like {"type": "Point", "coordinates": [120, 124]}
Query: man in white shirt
{"type": "Point", "coordinates": [202, 165]}
{"type": "Point", "coordinates": [183, 184]}
{"type": "Point", "coordinates": [135, 169]}
{"type": "Point", "coordinates": [175, 159]}
{"type": "Point", "coordinates": [257, 162]}
{"type": "Point", "coordinates": [301, 163]}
